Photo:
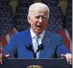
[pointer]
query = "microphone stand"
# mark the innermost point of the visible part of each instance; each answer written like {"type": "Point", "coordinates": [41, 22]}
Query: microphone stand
{"type": "Point", "coordinates": [35, 55]}
{"type": "Point", "coordinates": [30, 48]}
{"type": "Point", "coordinates": [40, 47]}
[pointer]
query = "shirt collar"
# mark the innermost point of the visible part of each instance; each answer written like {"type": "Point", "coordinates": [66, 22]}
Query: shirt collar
{"type": "Point", "coordinates": [34, 35]}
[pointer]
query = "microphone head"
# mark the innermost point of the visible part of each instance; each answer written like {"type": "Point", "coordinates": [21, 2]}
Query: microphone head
{"type": "Point", "coordinates": [29, 47]}
{"type": "Point", "coordinates": [40, 47]}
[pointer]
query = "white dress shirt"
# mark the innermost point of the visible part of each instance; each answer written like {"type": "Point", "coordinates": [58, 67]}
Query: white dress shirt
{"type": "Point", "coordinates": [35, 45]}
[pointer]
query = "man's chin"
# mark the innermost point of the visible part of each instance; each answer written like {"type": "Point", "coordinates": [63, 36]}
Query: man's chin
{"type": "Point", "coordinates": [39, 31]}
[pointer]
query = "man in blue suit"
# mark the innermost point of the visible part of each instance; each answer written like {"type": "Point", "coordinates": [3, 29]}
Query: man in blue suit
{"type": "Point", "coordinates": [24, 43]}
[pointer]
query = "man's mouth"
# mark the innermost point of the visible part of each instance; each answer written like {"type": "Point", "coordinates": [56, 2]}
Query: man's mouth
{"type": "Point", "coordinates": [39, 26]}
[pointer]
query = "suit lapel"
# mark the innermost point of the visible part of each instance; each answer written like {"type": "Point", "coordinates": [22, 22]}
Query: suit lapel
{"type": "Point", "coordinates": [29, 36]}
{"type": "Point", "coordinates": [46, 42]}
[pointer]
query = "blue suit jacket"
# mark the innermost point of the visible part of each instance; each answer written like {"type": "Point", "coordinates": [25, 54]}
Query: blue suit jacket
{"type": "Point", "coordinates": [53, 45]}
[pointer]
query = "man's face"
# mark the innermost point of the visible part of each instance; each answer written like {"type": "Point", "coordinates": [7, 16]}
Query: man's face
{"type": "Point", "coordinates": [38, 20]}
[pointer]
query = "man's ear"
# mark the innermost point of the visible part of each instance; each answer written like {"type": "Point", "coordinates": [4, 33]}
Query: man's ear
{"type": "Point", "coordinates": [28, 18]}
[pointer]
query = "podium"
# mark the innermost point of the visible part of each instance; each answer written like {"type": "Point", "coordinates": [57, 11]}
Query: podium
{"type": "Point", "coordinates": [44, 63]}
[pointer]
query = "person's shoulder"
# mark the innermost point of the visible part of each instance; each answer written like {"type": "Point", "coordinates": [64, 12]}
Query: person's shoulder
{"type": "Point", "coordinates": [53, 34]}
{"type": "Point", "coordinates": [25, 32]}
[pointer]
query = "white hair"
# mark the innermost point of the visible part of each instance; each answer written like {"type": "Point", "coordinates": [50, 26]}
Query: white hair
{"type": "Point", "coordinates": [36, 6]}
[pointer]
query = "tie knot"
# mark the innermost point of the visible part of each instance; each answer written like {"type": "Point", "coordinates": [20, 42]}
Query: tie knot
{"type": "Point", "coordinates": [38, 37]}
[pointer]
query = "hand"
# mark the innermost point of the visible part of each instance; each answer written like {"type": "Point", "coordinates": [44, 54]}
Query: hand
{"type": "Point", "coordinates": [3, 55]}
{"type": "Point", "coordinates": [68, 57]}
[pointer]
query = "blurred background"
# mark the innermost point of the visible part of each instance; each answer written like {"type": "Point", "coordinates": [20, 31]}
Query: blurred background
{"type": "Point", "coordinates": [13, 18]}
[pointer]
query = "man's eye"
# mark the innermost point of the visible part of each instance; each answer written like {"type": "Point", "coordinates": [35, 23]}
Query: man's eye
{"type": "Point", "coordinates": [37, 17]}
{"type": "Point", "coordinates": [43, 17]}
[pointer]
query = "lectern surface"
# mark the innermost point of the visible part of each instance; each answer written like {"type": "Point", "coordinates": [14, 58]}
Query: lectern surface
{"type": "Point", "coordinates": [44, 63]}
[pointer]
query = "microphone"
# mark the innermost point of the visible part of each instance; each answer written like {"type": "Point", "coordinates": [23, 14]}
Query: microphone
{"type": "Point", "coordinates": [40, 47]}
{"type": "Point", "coordinates": [30, 48]}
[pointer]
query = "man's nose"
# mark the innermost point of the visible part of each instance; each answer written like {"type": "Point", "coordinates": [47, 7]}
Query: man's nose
{"type": "Point", "coordinates": [40, 19]}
